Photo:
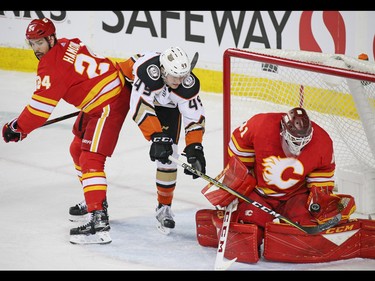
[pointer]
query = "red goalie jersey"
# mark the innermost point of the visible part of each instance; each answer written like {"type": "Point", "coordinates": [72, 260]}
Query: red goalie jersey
{"type": "Point", "coordinates": [258, 145]}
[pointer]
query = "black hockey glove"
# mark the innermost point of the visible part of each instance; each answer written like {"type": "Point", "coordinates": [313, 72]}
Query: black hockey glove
{"type": "Point", "coordinates": [10, 132]}
{"type": "Point", "coordinates": [195, 156]}
{"type": "Point", "coordinates": [161, 147]}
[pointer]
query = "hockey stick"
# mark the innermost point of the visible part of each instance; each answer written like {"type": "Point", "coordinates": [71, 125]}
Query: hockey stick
{"type": "Point", "coordinates": [61, 118]}
{"type": "Point", "coordinates": [307, 229]}
{"type": "Point", "coordinates": [194, 61]}
{"type": "Point", "coordinates": [220, 264]}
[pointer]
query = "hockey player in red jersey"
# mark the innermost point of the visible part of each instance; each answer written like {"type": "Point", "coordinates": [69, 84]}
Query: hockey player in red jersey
{"type": "Point", "coordinates": [165, 96]}
{"type": "Point", "coordinates": [68, 70]}
{"type": "Point", "coordinates": [285, 162]}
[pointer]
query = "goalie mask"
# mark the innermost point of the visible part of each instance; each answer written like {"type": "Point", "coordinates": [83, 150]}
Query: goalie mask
{"type": "Point", "coordinates": [296, 131]}
{"type": "Point", "coordinates": [40, 28]}
{"type": "Point", "coordinates": [175, 62]}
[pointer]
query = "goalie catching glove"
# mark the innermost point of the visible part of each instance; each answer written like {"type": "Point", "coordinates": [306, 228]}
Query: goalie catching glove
{"type": "Point", "coordinates": [11, 133]}
{"type": "Point", "coordinates": [195, 157]}
{"type": "Point", "coordinates": [161, 147]}
{"type": "Point", "coordinates": [324, 205]}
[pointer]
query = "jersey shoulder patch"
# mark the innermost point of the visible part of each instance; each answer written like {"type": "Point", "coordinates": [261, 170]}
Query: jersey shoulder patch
{"type": "Point", "coordinates": [189, 87]}
{"type": "Point", "coordinates": [150, 74]}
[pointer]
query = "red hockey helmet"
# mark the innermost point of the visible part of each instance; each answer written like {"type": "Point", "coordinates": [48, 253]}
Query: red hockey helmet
{"type": "Point", "coordinates": [40, 28]}
{"type": "Point", "coordinates": [296, 129]}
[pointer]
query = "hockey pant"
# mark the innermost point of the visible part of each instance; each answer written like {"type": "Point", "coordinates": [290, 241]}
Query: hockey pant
{"type": "Point", "coordinates": [95, 138]}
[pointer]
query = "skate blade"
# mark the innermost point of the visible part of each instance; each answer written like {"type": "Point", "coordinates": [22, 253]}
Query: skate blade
{"type": "Point", "coordinates": [83, 218]}
{"type": "Point", "coordinates": [97, 238]}
{"type": "Point", "coordinates": [163, 230]}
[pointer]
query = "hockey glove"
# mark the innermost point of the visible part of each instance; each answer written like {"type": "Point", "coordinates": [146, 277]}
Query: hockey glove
{"type": "Point", "coordinates": [323, 204]}
{"type": "Point", "coordinates": [161, 147]}
{"type": "Point", "coordinates": [195, 156]}
{"type": "Point", "coordinates": [10, 132]}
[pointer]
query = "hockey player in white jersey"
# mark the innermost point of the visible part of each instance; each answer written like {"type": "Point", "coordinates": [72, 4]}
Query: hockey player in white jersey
{"type": "Point", "coordinates": [165, 96]}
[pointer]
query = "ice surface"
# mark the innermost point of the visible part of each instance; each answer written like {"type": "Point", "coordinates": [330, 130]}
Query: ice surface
{"type": "Point", "coordinates": [38, 185]}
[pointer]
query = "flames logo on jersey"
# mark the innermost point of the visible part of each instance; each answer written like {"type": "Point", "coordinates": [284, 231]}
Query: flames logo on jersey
{"type": "Point", "coordinates": [275, 167]}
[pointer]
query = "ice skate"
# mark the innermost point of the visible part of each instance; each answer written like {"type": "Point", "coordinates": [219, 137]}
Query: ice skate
{"type": "Point", "coordinates": [164, 216]}
{"type": "Point", "coordinates": [78, 213]}
{"type": "Point", "coordinates": [96, 231]}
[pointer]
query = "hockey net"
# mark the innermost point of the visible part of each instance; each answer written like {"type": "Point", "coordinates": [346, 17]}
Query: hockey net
{"type": "Point", "coordinates": [337, 91]}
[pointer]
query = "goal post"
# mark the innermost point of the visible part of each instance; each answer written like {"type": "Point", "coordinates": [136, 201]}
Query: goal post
{"type": "Point", "coordinates": [337, 91]}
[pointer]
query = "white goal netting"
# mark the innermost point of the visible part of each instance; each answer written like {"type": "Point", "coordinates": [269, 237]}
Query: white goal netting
{"type": "Point", "coordinates": [337, 91]}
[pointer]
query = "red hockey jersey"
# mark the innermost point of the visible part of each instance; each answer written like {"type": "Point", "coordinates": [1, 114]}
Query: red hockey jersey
{"type": "Point", "coordinates": [257, 143]}
{"type": "Point", "coordinates": [70, 71]}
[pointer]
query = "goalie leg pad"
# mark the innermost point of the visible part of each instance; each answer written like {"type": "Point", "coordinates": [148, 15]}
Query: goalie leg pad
{"type": "Point", "coordinates": [242, 243]}
{"type": "Point", "coordinates": [367, 239]}
{"type": "Point", "coordinates": [242, 240]}
{"type": "Point", "coordinates": [248, 213]}
{"type": "Point", "coordinates": [206, 231]}
{"type": "Point", "coordinates": [285, 243]}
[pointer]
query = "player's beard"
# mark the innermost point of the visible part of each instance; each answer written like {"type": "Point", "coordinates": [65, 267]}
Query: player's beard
{"type": "Point", "coordinates": [38, 55]}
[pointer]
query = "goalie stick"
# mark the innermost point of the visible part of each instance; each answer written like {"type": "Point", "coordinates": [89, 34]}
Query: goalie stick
{"type": "Point", "coordinates": [61, 118]}
{"type": "Point", "coordinates": [307, 229]}
{"type": "Point", "coordinates": [220, 264]}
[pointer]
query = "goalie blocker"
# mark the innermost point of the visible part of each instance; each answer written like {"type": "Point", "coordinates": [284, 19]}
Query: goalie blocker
{"type": "Point", "coordinates": [285, 243]}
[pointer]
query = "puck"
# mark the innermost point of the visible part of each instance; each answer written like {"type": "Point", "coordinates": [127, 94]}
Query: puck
{"type": "Point", "coordinates": [315, 207]}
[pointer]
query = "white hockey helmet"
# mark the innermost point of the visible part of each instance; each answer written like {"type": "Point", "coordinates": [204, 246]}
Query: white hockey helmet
{"type": "Point", "coordinates": [296, 130]}
{"type": "Point", "coordinates": [174, 61]}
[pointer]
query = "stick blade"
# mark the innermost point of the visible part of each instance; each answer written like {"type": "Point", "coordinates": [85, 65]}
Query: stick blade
{"type": "Point", "coordinates": [322, 227]}
{"type": "Point", "coordinates": [194, 61]}
{"type": "Point", "coordinates": [220, 264]}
